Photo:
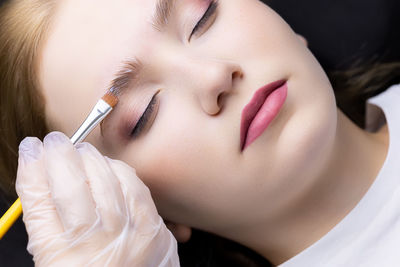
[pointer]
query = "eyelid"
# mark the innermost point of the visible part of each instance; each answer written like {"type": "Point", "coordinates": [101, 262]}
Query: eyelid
{"type": "Point", "coordinates": [207, 19]}
{"type": "Point", "coordinates": [147, 117]}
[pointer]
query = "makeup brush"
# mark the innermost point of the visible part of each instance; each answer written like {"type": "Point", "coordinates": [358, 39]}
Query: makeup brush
{"type": "Point", "coordinates": [98, 113]}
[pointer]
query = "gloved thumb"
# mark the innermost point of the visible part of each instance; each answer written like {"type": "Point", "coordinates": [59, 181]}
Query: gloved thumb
{"type": "Point", "coordinates": [39, 213]}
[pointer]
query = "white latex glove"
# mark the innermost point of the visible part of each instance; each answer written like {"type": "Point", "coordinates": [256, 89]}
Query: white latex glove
{"type": "Point", "coordinates": [83, 209]}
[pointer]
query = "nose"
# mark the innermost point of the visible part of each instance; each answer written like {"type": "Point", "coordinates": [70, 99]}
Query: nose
{"type": "Point", "coordinates": [208, 80]}
{"type": "Point", "coordinates": [214, 82]}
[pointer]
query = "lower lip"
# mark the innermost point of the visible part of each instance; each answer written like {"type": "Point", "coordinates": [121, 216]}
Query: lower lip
{"type": "Point", "coordinates": [266, 114]}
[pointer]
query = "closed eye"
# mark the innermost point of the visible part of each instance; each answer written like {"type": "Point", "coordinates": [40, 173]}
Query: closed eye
{"type": "Point", "coordinates": [151, 109]}
{"type": "Point", "coordinates": [144, 120]}
{"type": "Point", "coordinates": [202, 23]}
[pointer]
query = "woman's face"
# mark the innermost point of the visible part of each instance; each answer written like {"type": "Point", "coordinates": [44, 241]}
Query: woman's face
{"type": "Point", "coordinates": [189, 151]}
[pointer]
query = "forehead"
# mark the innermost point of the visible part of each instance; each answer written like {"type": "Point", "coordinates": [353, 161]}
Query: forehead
{"type": "Point", "coordinates": [85, 45]}
{"type": "Point", "coordinates": [98, 32]}
{"type": "Point", "coordinates": [91, 22]}
{"type": "Point", "coordinates": [103, 12]}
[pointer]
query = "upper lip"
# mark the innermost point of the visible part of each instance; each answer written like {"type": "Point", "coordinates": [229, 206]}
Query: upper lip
{"type": "Point", "coordinates": [251, 109]}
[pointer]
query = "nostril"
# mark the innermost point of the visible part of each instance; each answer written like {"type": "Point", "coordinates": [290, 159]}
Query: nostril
{"type": "Point", "coordinates": [220, 100]}
{"type": "Point", "coordinates": [223, 94]}
{"type": "Point", "coordinates": [237, 74]}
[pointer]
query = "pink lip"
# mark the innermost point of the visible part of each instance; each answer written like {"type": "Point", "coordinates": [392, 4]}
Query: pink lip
{"type": "Point", "coordinates": [261, 110]}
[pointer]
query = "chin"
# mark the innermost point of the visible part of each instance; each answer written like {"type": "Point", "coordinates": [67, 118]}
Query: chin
{"type": "Point", "coordinates": [299, 143]}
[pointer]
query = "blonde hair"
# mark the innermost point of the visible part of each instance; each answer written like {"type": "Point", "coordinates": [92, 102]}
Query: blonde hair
{"type": "Point", "coordinates": [23, 25]}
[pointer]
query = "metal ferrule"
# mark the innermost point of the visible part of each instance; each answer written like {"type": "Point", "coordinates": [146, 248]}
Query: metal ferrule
{"type": "Point", "coordinates": [95, 117]}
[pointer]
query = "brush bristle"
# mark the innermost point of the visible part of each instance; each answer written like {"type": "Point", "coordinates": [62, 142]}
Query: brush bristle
{"type": "Point", "coordinates": [110, 98]}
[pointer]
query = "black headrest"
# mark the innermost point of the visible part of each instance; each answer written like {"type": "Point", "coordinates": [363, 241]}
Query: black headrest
{"type": "Point", "coordinates": [342, 32]}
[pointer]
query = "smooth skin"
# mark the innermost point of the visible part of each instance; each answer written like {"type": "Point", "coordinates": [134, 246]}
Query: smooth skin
{"type": "Point", "coordinates": [282, 193]}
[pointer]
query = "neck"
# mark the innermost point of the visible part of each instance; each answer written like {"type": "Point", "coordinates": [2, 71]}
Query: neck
{"type": "Point", "coordinates": [355, 162]}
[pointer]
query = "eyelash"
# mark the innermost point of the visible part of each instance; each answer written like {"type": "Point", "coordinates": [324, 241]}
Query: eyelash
{"type": "Point", "coordinates": [212, 8]}
{"type": "Point", "coordinates": [140, 125]}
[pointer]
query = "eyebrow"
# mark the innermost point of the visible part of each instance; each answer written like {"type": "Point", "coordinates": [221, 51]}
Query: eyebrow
{"type": "Point", "coordinates": [129, 73]}
{"type": "Point", "coordinates": [162, 14]}
{"type": "Point", "coordinates": [131, 68]}
{"type": "Point", "coordinates": [126, 76]}
{"type": "Point", "coordinates": [124, 79]}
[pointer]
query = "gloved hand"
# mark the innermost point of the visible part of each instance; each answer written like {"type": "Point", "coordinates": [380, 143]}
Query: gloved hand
{"type": "Point", "coordinates": [83, 209]}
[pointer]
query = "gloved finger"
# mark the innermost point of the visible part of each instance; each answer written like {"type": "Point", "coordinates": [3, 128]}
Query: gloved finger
{"type": "Point", "coordinates": [145, 218]}
{"type": "Point", "coordinates": [39, 213]}
{"type": "Point", "coordinates": [105, 187]}
{"type": "Point", "coordinates": [137, 196]}
{"type": "Point", "coordinates": [67, 180]}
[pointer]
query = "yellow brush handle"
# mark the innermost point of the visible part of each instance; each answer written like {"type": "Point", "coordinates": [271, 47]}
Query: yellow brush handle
{"type": "Point", "coordinates": [8, 219]}
{"type": "Point", "coordinates": [98, 113]}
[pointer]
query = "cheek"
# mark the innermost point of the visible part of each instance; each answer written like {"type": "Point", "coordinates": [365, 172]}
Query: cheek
{"type": "Point", "coordinates": [168, 161]}
{"type": "Point", "coordinates": [173, 152]}
{"type": "Point", "coordinates": [256, 28]}
{"type": "Point", "coordinates": [178, 164]}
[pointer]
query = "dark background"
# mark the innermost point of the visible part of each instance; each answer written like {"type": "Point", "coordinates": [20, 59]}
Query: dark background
{"type": "Point", "coordinates": [339, 33]}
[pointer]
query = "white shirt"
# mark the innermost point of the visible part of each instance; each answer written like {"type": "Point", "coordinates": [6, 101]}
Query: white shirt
{"type": "Point", "coordinates": [368, 236]}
